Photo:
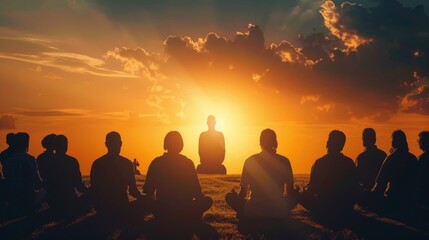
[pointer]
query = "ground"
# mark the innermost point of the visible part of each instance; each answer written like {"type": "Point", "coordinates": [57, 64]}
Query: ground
{"type": "Point", "coordinates": [220, 222]}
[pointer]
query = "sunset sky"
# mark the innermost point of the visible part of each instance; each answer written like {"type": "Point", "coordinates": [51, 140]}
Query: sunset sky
{"type": "Point", "coordinates": [301, 67]}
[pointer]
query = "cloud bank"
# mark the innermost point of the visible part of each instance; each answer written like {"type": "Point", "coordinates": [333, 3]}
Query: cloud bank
{"type": "Point", "coordinates": [369, 63]}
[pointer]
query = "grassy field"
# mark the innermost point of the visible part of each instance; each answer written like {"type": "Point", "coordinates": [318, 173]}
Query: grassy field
{"type": "Point", "coordinates": [221, 223]}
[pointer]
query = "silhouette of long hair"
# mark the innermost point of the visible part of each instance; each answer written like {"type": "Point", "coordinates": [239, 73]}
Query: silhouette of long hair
{"type": "Point", "coordinates": [399, 140]}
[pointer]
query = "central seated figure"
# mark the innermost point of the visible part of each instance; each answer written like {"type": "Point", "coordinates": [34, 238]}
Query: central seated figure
{"type": "Point", "coordinates": [211, 149]}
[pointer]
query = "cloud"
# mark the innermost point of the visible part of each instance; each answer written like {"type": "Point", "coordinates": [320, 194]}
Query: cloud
{"type": "Point", "coordinates": [43, 53]}
{"type": "Point", "coordinates": [362, 67]}
{"type": "Point", "coordinates": [7, 122]}
{"type": "Point", "coordinates": [50, 112]}
{"type": "Point", "coordinates": [417, 102]}
{"type": "Point", "coordinates": [332, 19]}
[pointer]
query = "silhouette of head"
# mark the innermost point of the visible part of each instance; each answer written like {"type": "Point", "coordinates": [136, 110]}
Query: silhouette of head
{"type": "Point", "coordinates": [368, 137]}
{"type": "Point", "coordinates": [211, 122]}
{"type": "Point", "coordinates": [173, 142]}
{"type": "Point", "coordinates": [268, 140]}
{"type": "Point", "coordinates": [61, 144]}
{"type": "Point", "coordinates": [424, 140]}
{"type": "Point", "coordinates": [399, 141]}
{"type": "Point", "coordinates": [10, 138]}
{"type": "Point", "coordinates": [336, 141]}
{"type": "Point", "coordinates": [21, 142]}
{"type": "Point", "coordinates": [48, 142]}
{"type": "Point", "coordinates": [113, 143]}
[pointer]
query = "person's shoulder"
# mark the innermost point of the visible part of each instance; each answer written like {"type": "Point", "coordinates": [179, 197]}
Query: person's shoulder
{"type": "Point", "coordinates": [322, 159]}
{"type": "Point", "coordinates": [71, 159]}
{"type": "Point", "coordinates": [99, 161]}
{"type": "Point", "coordinates": [361, 156]}
{"type": "Point", "coordinates": [29, 157]}
{"type": "Point", "coordinates": [346, 158]}
{"type": "Point", "coordinates": [424, 157]}
{"type": "Point", "coordinates": [412, 157]}
{"type": "Point", "coordinates": [125, 160]}
{"type": "Point", "coordinates": [157, 159]}
{"type": "Point", "coordinates": [381, 152]}
{"type": "Point", "coordinates": [186, 160]}
{"type": "Point", "coordinates": [282, 158]}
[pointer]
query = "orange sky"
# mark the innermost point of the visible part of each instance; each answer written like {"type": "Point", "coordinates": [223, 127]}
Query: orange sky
{"type": "Point", "coordinates": [301, 68]}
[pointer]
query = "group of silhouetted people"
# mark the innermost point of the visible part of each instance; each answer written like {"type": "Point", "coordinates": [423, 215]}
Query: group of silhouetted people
{"type": "Point", "coordinates": [389, 184]}
{"type": "Point", "coordinates": [172, 191]}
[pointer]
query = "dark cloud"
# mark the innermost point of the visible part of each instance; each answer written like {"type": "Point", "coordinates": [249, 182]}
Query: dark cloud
{"type": "Point", "coordinates": [361, 68]}
{"type": "Point", "coordinates": [49, 113]}
{"type": "Point", "coordinates": [7, 122]}
{"type": "Point", "coordinates": [417, 102]}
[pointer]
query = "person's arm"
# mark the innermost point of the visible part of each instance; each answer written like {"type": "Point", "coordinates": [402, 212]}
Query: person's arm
{"type": "Point", "coordinates": [383, 177]}
{"type": "Point", "coordinates": [288, 177]}
{"type": "Point", "coordinates": [35, 173]}
{"type": "Point", "coordinates": [94, 179]}
{"type": "Point", "coordinates": [201, 150]}
{"type": "Point", "coordinates": [223, 146]}
{"type": "Point", "coordinates": [149, 186]}
{"type": "Point", "coordinates": [312, 186]}
{"type": "Point", "coordinates": [358, 169]}
{"type": "Point", "coordinates": [132, 185]}
{"type": "Point", "coordinates": [195, 182]}
{"type": "Point", "coordinates": [77, 176]}
{"type": "Point", "coordinates": [245, 181]}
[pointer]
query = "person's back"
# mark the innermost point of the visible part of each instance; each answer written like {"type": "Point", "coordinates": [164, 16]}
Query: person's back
{"type": "Point", "coordinates": [333, 179]}
{"type": "Point", "coordinates": [111, 176]}
{"type": "Point", "coordinates": [368, 164]}
{"type": "Point", "coordinates": [45, 159]}
{"type": "Point", "coordinates": [396, 179]}
{"type": "Point", "coordinates": [172, 180]}
{"type": "Point", "coordinates": [21, 175]}
{"type": "Point", "coordinates": [8, 151]}
{"type": "Point", "coordinates": [175, 180]}
{"type": "Point", "coordinates": [266, 174]}
{"type": "Point", "coordinates": [423, 166]}
{"type": "Point", "coordinates": [331, 192]}
{"type": "Point", "coordinates": [399, 171]}
{"type": "Point", "coordinates": [63, 178]}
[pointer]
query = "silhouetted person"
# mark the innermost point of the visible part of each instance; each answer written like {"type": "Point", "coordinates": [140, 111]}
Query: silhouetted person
{"type": "Point", "coordinates": [395, 182]}
{"type": "Point", "coordinates": [3, 155]}
{"type": "Point", "coordinates": [21, 176]}
{"type": "Point", "coordinates": [9, 150]}
{"type": "Point", "coordinates": [423, 166]}
{"type": "Point", "coordinates": [62, 178]}
{"type": "Point", "coordinates": [172, 180]}
{"type": "Point", "coordinates": [265, 175]}
{"type": "Point", "coordinates": [211, 149]}
{"type": "Point", "coordinates": [111, 177]}
{"type": "Point", "coordinates": [136, 164]}
{"type": "Point", "coordinates": [369, 162]}
{"type": "Point", "coordinates": [44, 160]}
{"type": "Point", "coordinates": [330, 194]}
